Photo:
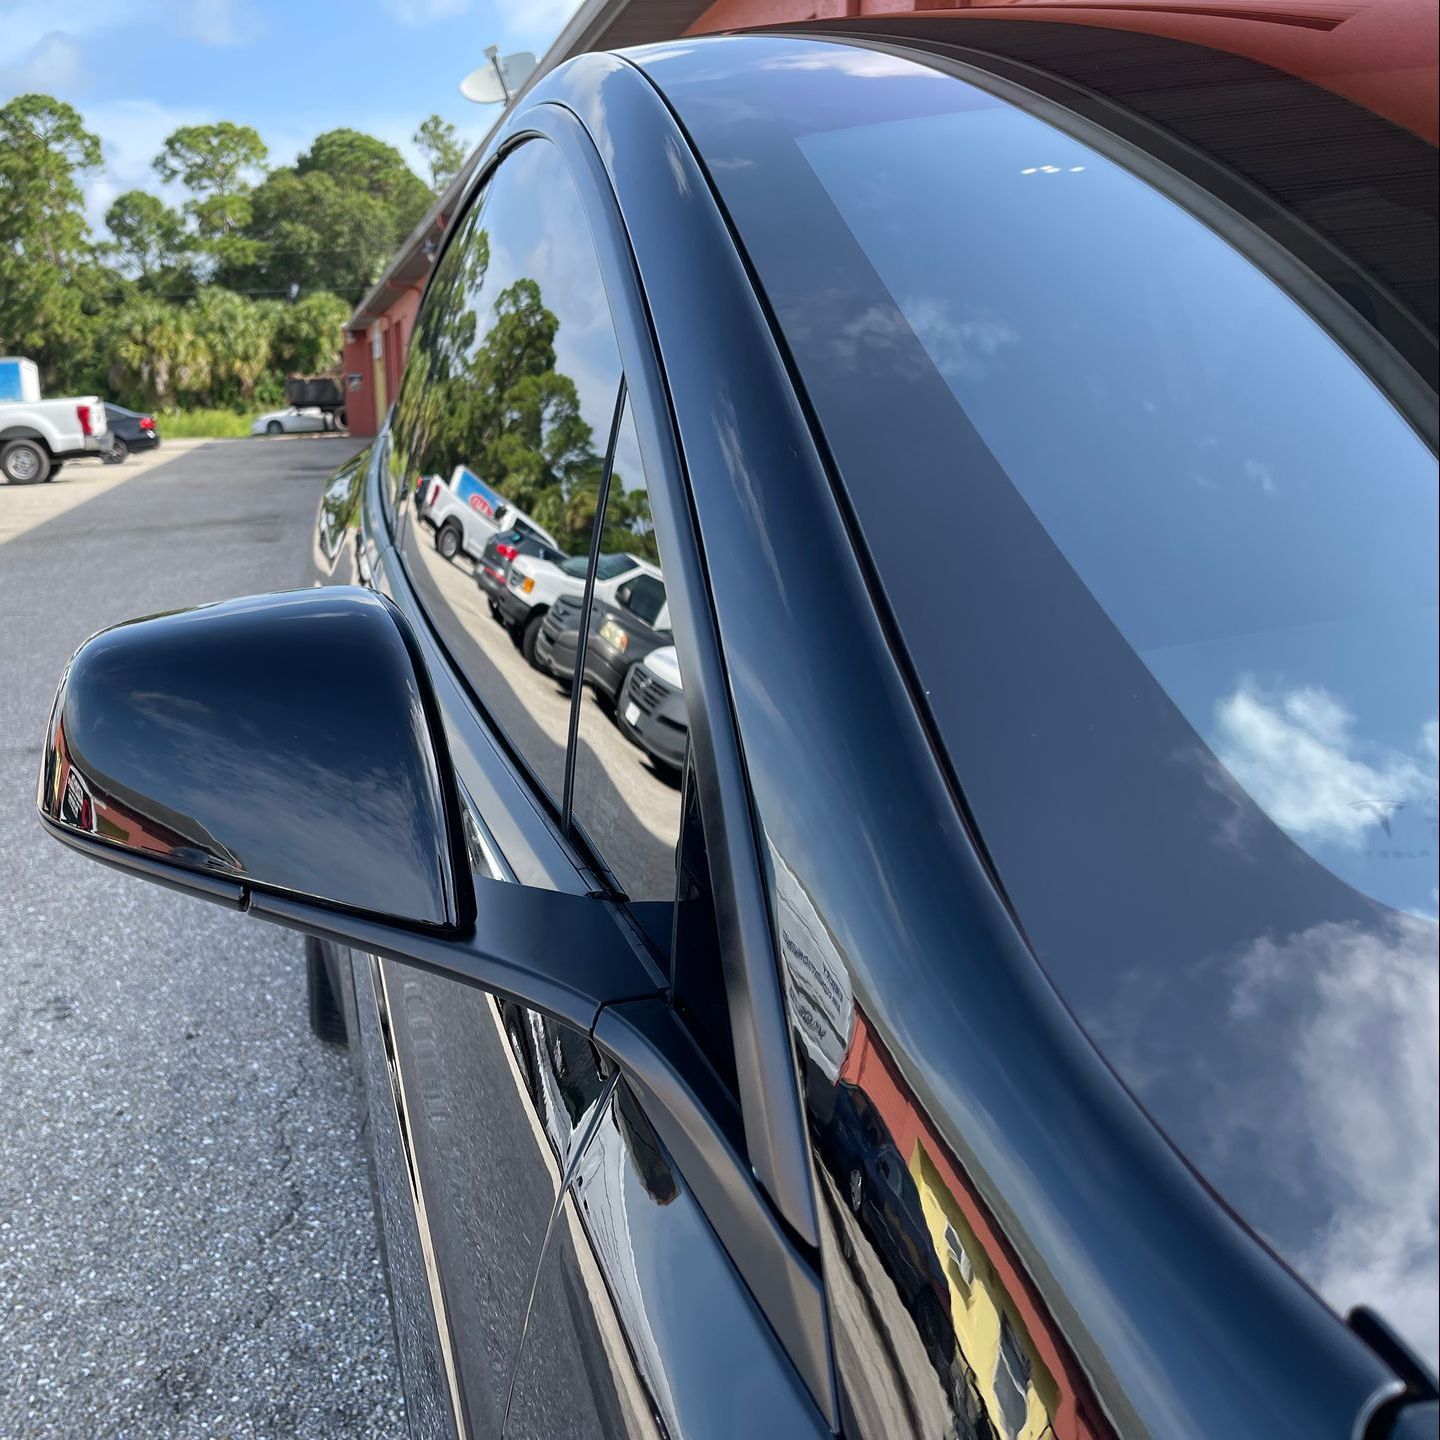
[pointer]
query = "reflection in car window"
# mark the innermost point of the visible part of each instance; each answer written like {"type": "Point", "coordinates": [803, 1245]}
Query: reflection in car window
{"type": "Point", "coordinates": [502, 424]}
{"type": "Point", "coordinates": [1168, 584]}
{"type": "Point", "coordinates": [633, 732]}
{"type": "Point", "coordinates": [609, 566]}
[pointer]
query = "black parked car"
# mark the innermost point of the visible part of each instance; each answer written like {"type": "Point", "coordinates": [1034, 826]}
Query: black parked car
{"type": "Point", "coordinates": [130, 431]}
{"type": "Point", "coordinates": [1034, 424]}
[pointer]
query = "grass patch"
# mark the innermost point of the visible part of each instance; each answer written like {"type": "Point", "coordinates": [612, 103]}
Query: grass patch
{"type": "Point", "coordinates": [204, 425]}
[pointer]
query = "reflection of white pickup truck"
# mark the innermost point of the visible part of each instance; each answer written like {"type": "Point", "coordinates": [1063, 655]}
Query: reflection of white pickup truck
{"type": "Point", "coordinates": [466, 512]}
{"type": "Point", "coordinates": [535, 585]}
{"type": "Point", "coordinates": [37, 435]}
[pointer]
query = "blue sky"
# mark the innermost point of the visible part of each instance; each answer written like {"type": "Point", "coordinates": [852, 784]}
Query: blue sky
{"type": "Point", "coordinates": [135, 69]}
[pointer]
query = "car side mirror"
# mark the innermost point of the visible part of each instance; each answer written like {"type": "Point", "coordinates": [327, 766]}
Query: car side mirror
{"type": "Point", "coordinates": [623, 594]}
{"type": "Point", "coordinates": [283, 754]}
{"type": "Point", "coordinates": [280, 742]}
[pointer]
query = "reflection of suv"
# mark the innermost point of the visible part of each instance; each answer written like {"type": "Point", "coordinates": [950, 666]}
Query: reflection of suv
{"type": "Point", "coordinates": [624, 631]}
{"type": "Point", "coordinates": [535, 584]}
{"type": "Point", "coordinates": [651, 708]}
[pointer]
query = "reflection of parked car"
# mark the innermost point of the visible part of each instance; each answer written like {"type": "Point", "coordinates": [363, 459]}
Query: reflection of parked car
{"type": "Point", "coordinates": [466, 514]}
{"type": "Point", "coordinates": [628, 620]}
{"type": "Point", "coordinates": [291, 421]}
{"type": "Point", "coordinates": [492, 570]}
{"type": "Point", "coordinates": [624, 631]}
{"type": "Point", "coordinates": [535, 585]}
{"type": "Point", "coordinates": [871, 1175]}
{"type": "Point", "coordinates": [651, 707]}
{"type": "Point", "coordinates": [129, 432]}
{"type": "Point", "coordinates": [556, 641]}
{"type": "Point", "coordinates": [1126, 328]}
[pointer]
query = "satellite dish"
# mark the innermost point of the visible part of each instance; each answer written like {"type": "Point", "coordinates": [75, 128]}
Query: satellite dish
{"type": "Point", "coordinates": [497, 80]}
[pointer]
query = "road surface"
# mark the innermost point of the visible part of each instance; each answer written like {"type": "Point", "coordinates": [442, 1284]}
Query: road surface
{"type": "Point", "coordinates": [187, 1243]}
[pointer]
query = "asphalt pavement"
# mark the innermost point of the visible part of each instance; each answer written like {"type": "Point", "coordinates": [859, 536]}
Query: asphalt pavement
{"type": "Point", "coordinates": [187, 1241]}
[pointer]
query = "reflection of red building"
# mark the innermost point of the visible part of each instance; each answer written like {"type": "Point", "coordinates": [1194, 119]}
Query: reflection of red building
{"type": "Point", "coordinates": [77, 802]}
{"type": "Point", "coordinates": [995, 1308]}
{"type": "Point", "coordinates": [1378, 54]}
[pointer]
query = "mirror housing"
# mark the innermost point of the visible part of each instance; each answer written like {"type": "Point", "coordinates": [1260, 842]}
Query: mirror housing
{"type": "Point", "coordinates": [282, 743]}
{"type": "Point", "coordinates": [283, 755]}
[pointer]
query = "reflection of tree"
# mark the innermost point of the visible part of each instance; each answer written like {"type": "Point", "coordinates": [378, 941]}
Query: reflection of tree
{"type": "Point", "coordinates": [628, 525]}
{"type": "Point", "coordinates": [499, 406]}
{"type": "Point", "coordinates": [496, 403]}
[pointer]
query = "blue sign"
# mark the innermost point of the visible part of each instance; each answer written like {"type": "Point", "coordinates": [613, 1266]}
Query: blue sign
{"type": "Point", "coordinates": [471, 490]}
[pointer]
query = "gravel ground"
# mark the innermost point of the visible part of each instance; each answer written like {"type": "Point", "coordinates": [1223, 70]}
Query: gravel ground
{"type": "Point", "coordinates": [187, 1242]}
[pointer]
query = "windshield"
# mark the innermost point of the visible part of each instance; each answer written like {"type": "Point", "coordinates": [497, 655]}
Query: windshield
{"type": "Point", "coordinates": [610, 566]}
{"type": "Point", "coordinates": [1168, 583]}
{"type": "Point", "coordinates": [576, 565]}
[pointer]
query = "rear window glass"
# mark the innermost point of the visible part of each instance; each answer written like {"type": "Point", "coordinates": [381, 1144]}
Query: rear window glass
{"type": "Point", "coordinates": [1168, 581]}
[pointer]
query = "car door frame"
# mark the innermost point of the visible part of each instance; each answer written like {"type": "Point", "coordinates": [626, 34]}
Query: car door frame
{"type": "Point", "coordinates": [745, 1157]}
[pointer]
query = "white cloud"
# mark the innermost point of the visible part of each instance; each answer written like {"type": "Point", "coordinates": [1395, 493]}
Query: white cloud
{"type": "Point", "coordinates": [1362, 1102]}
{"type": "Point", "coordinates": [131, 132]}
{"type": "Point", "coordinates": [24, 24]}
{"type": "Point", "coordinates": [216, 22]}
{"type": "Point", "coordinates": [534, 23]}
{"type": "Point", "coordinates": [1295, 753]}
{"type": "Point", "coordinates": [44, 39]}
{"type": "Point", "coordinates": [55, 66]}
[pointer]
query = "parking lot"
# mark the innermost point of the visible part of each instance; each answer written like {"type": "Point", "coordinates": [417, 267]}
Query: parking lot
{"type": "Point", "coordinates": [187, 1244]}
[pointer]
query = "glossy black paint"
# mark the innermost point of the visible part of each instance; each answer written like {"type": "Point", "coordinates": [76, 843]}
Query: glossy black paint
{"type": "Point", "coordinates": [282, 742]}
{"type": "Point", "coordinates": [597, 1234]}
{"type": "Point", "coordinates": [1105, 1221]}
{"type": "Point", "coordinates": [125, 425]}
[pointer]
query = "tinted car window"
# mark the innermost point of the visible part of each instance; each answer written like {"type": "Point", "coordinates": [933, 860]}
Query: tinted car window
{"type": "Point", "coordinates": [609, 566]}
{"type": "Point", "coordinates": [511, 387]}
{"type": "Point", "coordinates": [632, 737]}
{"type": "Point", "coordinates": [1167, 581]}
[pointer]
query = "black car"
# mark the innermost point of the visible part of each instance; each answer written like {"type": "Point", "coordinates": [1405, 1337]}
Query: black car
{"type": "Point", "coordinates": [492, 574]}
{"type": "Point", "coordinates": [130, 432]}
{"type": "Point", "coordinates": [1040, 463]}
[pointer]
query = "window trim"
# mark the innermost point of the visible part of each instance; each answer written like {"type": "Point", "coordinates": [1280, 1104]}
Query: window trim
{"type": "Point", "coordinates": [775, 1136]}
{"type": "Point", "coordinates": [774, 1128]}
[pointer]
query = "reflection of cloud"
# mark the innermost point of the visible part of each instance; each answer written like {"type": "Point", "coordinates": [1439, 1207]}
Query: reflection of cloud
{"type": "Point", "coordinates": [961, 349]}
{"type": "Point", "coordinates": [1254, 470]}
{"type": "Point", "coordinates": [1363, 1095]}
{"type": "Point", "coordinates": [865, 64]}
{"type": "Point", "coordinates": [1294, 753]}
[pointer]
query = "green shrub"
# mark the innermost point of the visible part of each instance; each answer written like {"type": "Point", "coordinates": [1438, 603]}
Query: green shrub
{"type": "Point", "coordinates": [203, 424]}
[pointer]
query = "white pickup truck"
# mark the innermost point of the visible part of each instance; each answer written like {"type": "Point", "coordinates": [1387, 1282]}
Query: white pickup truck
{"type": "Point", "coordinates": [37, 435]}
{"type": "Point", "coordinates": [534, 585]}
{"type": "Point", "coordinates": [465, 512]}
